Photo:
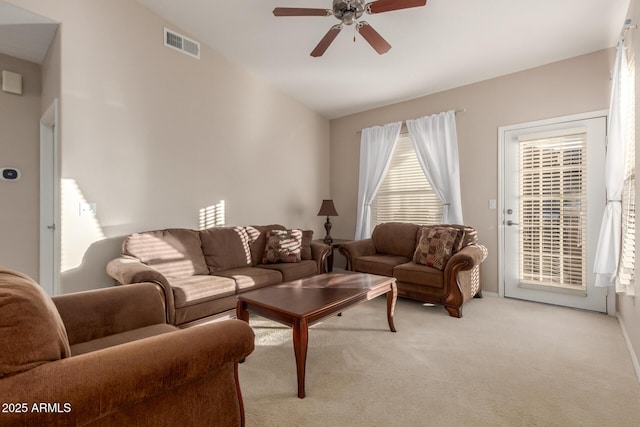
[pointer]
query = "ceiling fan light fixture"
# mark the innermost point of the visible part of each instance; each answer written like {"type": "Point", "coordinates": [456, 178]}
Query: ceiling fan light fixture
{"type": "Point", "coordinates": [348, 12]}
{"type": "Point", "coordinates": [348, 18]}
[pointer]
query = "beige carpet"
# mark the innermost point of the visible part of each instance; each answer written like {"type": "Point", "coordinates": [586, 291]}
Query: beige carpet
{"type": "Point", "coordinates": [505, 363]}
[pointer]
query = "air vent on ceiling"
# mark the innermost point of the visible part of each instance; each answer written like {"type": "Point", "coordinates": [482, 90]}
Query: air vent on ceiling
{"type": "Point", "coordinates": [181, 43]}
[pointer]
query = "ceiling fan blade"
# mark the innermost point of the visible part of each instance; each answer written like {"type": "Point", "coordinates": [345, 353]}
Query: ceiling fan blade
{"type": "Point", "coordinates": [328, 38]}
{"type": "Point", "coordinates": [389, 5]}
{"type": "Point", "coordinates": [375, 40]}
{"type": "Point", "coordinates": [300, 11]}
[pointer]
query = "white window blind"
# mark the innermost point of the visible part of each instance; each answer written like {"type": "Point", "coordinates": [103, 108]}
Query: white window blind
{"type": "Point", "coordinates": [628, 253]}
{"type": "Point", "coordinates": [625, 275]}
{"type": "Point", "coordinates": [553, 199]}
{"type": "Point", "coordinates": [405, 194]}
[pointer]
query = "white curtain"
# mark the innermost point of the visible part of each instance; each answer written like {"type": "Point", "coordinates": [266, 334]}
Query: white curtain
{"type": "Point", "coordinates": [608, 249]}
{"type": "Point", "coordinates": [436, 144]}
{"type": "Point", "coordinates": [376, 146]}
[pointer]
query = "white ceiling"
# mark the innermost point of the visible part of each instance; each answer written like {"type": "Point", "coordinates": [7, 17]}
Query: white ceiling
{"type": "Point", "coordinates": [24, 34]}
{"type": "Point", "coordinates": [446, 44]}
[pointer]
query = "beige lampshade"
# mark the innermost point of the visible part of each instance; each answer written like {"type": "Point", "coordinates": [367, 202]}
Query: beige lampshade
{"type": "Point", "coordinates": [327, 209]}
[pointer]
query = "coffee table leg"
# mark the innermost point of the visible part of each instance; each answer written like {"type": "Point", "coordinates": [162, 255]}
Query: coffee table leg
{"type": "Point", "coordinates": [392, 296]}
{"type": "Point", "coordinates": [300, 342]}
{"type": "Point", "coordinates": [241, 311]}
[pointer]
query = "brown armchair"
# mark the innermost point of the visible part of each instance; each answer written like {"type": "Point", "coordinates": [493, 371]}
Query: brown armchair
{"type": "Point", "coordinates": [108, 357]}
{"type": "Point", "coordinates": [391, 252]}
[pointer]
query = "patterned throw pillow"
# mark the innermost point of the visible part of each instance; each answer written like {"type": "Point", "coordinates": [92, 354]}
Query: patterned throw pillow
{"type": "Point", "coordinates": [436, 246]}
{"type": "Point", "coordinates": [283, 246]}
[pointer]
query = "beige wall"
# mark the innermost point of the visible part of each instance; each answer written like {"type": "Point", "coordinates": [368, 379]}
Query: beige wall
{"type": "Point", "coordinates": [151, 136]}
{"type": "Point", "coordinates": [19, 148]}
{"type": "Point", "coordinates": [629, 307]}
{"type": "Point", "coordinates": [51, 74]}
{"type": "Point", "coordinates": [568, 87]}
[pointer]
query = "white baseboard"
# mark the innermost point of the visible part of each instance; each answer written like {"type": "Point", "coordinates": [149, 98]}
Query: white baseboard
{"type": "Point", "coordinates": [632, 353]}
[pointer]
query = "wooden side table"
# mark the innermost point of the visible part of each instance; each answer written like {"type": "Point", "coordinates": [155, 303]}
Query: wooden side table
{"type": "Point", "coordinates": [334, 245]}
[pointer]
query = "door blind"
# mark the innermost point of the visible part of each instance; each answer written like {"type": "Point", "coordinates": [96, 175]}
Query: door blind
{"type": "Point", "coordinates": [405, 194]}
{"type": "Point", "coordinates": [553, 198]}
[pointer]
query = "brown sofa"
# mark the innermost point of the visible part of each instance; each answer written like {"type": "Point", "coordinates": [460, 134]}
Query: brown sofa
{"type": "Point", "coordinates": [201, 272]}
{"type": "Point", "coordinates": [108, 358]}
{"type": "Point", "coordinates": [391, 251]}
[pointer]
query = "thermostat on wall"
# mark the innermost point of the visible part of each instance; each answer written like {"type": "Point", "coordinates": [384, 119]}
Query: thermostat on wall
{"type": "Point", "coordinates": [9, 174]}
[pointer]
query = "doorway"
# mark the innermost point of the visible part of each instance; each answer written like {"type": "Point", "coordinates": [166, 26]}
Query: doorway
{"type": "Point", "coordinates": [49, 201]}
{"type": "Point", "coordinates": [551, 205]}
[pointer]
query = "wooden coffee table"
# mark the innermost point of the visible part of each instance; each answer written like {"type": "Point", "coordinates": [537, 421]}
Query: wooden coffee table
{"type": "Point", "coordinates": [302, 303]}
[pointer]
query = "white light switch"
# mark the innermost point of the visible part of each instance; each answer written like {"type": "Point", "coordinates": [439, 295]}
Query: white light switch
{"type": "Point", "coordinates": [492, 203]}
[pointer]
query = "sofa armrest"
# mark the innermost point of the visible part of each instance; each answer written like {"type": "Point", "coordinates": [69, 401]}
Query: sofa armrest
{"type": "Point", "coordinates": [320, 252]}
{"type": "Point", "coordinates": [355, 249]}
{"type": "Point", "coordinates": [466, 258]}
{"type": "Point", "coordinates": [179, 378]}
{"type": "Point", "coordinates": [102, 312]}
{"type": "Point", "coordinates": [126, 271]}
{"type": "Point", "coordinates": [459, 277]}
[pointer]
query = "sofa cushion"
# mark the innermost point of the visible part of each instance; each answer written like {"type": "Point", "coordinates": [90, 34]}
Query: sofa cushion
{"type": "Point", "coordinates": [294, 271]}
{"type": "Point", "coordinates": [196, 289]}
{"type": "Point", "coordinates": [258, 244]}
{"type": "Point", "coordinates": [261, 239]}
{"type": "Point", "coordinates": [436, 245]}
{"type": "Point", "coordinates": [379, 264]}
{"type": "Point", "coordinates": [282, 246]}
{"type": "Point", "coordinates": [248, 278]}
{"type": "Point", "coordinates": [395, 238]}
{"type": "Point", "coordinates": [307, 237]}
{"type": "Point", "coordinates": [225, 248]}
{"type": "Point", "coordinates": [202, 312]}
{"type": "Point", "coordinates": [31, 330]}
{"type": "Point", "coordinates": [469, 235]}
{"type": "Point", "coordinates": [419, 274]}
{"type": "Point", "coordinates": [173, 252]}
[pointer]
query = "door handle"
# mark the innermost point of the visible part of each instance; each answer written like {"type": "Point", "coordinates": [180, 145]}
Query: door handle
{"type": "Point", "coordinates": [510, 223]}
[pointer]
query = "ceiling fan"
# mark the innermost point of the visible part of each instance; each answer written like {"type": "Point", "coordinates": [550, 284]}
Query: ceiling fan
{"type": "Point", "coordinates": [348, 12]}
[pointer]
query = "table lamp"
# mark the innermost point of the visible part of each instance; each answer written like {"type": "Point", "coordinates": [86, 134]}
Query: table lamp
{"type": "Point", "coordinates": [327, 209]}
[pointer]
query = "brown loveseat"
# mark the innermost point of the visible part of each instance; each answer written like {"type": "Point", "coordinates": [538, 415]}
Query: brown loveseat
{"type": "Point", "coordinates": [201, 272]}
{"type": "Point", "coordinates": [108, 358]}
{"type": "Point", "coordinates": [430, 265]}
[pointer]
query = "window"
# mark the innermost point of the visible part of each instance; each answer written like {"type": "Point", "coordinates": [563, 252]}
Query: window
{"type": "Point", "coordinates": [405, 194]}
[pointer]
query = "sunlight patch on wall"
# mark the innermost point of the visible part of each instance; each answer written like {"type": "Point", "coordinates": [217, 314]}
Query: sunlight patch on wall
{"type": "Point", "coordinates": [80, 227]}
{"type": "Point", "coordinates": [212, 216]}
